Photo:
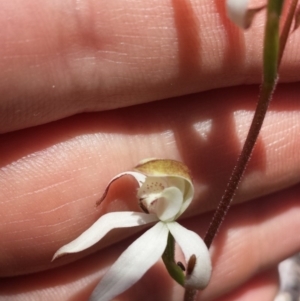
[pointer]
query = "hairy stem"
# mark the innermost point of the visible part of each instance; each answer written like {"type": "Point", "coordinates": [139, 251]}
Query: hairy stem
{"type": "Point", "coordinates": [270, 65]}
{"type": "Point", "coordinates": [272, 54]}
{"type": "Point", "coordinates": [222, 209]}
{"type": "Point", "coordinates": [190, 295]}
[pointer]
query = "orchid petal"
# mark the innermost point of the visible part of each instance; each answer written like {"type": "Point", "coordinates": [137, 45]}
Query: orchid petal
{"type": "Point", "coordinates": [237, 11]}
{"type": "Point", "coordinates": [169, 203]}
{"type": "Point", "coordinates": [102, 226]}
{"type": "Point", "coordinates": [192, 244]}
{"type": "Point", "coordinates": [133, 263]}
{"type": "Point", "coordinates": [139, 177]}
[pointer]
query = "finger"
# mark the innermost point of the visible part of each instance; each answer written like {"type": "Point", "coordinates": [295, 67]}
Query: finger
{"type": "Point", "coordinates": [52, 176]}
{"type": "Point", "coordinates": [63, 58]}
{"type": "Point", "coordinates": [50, 286]}
{"type": "Point", "coordinates": [76, 281]}
{"type": "Point", "coordinates": [251, 242]}
{"type": "Point", "coordinates": [261, 287]}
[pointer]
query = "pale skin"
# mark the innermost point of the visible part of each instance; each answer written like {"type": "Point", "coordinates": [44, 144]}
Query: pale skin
{"type": "Point", "coordinates": [59, 58]}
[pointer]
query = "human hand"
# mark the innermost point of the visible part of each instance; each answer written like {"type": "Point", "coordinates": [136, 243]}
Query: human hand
{"type": "Point", "coordinates": [61, 59]}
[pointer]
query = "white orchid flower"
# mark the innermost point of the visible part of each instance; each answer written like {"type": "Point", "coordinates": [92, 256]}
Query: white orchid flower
{"type": "Point", "coordinates": [165, 191]}
{"type": "Point", "coordinates": [239, 13]}
{"type": "Point", "coordinates": [236, 11]}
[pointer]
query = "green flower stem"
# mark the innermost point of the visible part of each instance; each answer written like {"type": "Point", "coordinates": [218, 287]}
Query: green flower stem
{"type": "Point", "coordinates": [169, 260]}
{"type": "Point", "coordinates": [271, 42]}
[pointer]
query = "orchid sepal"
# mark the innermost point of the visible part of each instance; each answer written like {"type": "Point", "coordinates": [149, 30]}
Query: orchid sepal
{"type": "Point", "coordinates": [132, 264]}
{"type": "Point", "coordinates": [101, 227]}
{"type": "Point", "coordinates": [140, 178]}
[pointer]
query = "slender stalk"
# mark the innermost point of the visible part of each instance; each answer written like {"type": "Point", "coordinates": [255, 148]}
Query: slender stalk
{"type": "Point", "coordinates": [238, 171]}
{"type": "Point", "coordinates": [270, 65]}
{"type": "Point", "coordinates": [190, 295]}
{"type": "Point", "coordinates": [270, 70]}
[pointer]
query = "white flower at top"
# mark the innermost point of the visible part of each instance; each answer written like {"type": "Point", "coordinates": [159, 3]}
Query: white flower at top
{"type": "Point", "coordinates": [237, 11]}
{"type": "Point", "coordinates": [165, 191]}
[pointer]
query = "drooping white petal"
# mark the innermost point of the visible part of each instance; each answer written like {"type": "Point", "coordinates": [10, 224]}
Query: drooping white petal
{"type": "Point", "coordinates": [237, 11]}
{"type": "Point", "coordinates": [139, 177]}
{"type": "Point", "coordinates": [192, 244]}
{"type": "Point", "coordinates": [133, 263]}
{"type": "Point", "coordinates": [102, 226]}
{"type": "Point", "coordinates": [169, 203]}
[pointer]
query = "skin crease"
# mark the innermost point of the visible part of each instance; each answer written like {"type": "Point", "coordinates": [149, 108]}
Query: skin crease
{"type": "Point", "coordinates": [62, 58]}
